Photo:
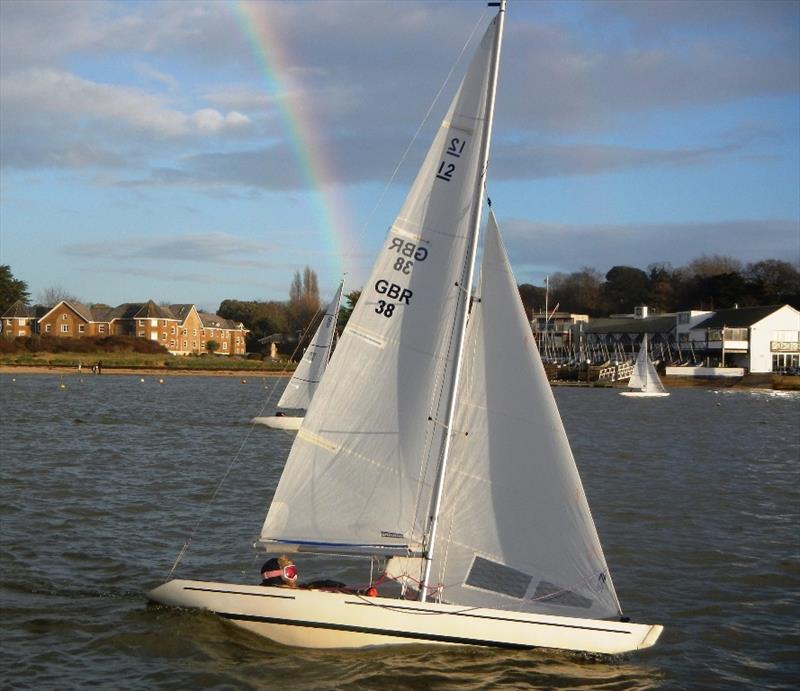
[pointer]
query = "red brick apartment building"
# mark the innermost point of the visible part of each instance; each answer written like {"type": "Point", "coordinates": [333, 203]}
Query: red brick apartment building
{"type": "Point", "coordinates": [181, 329]}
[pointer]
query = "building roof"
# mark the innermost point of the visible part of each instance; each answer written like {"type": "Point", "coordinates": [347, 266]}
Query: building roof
{"type": "Point", "coordinates": [214, 321]}
{"type": "Point", "coordinates": [19, 309]}
{"type": "Point", "coordinates": [150, 310]}
{"type": "Point", "coordinates": [741, 317]}
{"type": "Point", "coordinates": [181, 311]}
{"type": "Point", "coordinates": [628, 325]}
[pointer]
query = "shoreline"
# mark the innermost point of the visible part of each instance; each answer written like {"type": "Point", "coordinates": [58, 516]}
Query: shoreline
{"type": "Point", "coordinates": [149, 371]}
{"type": "Point", "coordinates": [775, 382]}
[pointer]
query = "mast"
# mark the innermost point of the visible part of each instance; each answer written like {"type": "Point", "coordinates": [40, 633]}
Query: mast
{"type": "Point", "coordinates": [465, 290]}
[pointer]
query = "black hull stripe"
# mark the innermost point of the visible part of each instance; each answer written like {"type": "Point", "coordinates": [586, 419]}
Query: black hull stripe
{"type": "Point", "coordinates": [418, 610]}
{"type": "Point", "coordinates": [378, 632]}
{"type": "Point", "coordinates": [237, 592]}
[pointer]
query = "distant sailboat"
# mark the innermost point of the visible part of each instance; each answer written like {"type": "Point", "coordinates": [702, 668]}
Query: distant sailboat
{"type": "Point", "coordinates": [304, 382]}
{"type": "Point", "coordinates": [434, 443]}
{"type": "Point", "coordinates": [644, 381]}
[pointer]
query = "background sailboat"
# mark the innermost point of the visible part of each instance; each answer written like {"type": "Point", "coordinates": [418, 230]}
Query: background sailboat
{"type": "Point", "coordinates": [644, 382]}
{"type": "Point", "coordinates": [434, 442]}
{"type": "Point", "coordinates": [301, 387]}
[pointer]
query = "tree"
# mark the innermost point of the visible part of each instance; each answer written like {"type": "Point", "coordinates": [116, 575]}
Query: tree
{"type": "Point", "coordinates": [212, 346]}
{"type": "Point", "coordinates": [304, 302]}
{"type": "Point", "coordinates": [345, 311]}
{"type": "Point", "coordinates": [580, 291]}
{"type": "Point", "coordinates": [625, 288]}
{"type": "Point", "coordinates": [53, 295]}
{"type": "Point", "coordinates": [712, 265]}
{"type": "Point", "coordinates": [773, 281]}
{"type": "Point", "coordinates": [533, 298]}
{"type": "Point", "coordinates": [662, 287]}
{"type": "Point", "coordinates": [11, 289]}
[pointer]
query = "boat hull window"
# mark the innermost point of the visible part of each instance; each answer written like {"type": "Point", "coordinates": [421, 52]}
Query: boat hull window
{"type": "Point", "coordinates": [489, 575]}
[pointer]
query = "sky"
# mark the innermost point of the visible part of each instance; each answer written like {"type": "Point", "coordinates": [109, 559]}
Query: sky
{"type": "Point", "coordinates": [192, 152]}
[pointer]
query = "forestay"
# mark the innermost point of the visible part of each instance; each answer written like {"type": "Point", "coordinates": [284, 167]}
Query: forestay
{"type": "Point", "coordinates": [516, 531]}
{"type": "Point", "coordinates": [360, 473]}
{"type": "Point", "coordinates": [303, 384]}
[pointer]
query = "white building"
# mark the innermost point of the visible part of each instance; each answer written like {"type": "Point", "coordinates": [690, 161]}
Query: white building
{"type": "Point", "coordinates": [759, 339]}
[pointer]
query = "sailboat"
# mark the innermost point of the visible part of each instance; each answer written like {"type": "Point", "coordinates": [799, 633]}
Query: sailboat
{"type": "Point", "coordinates": [301, 387]}
{"type": "Point", "coordinates": [644, 381]}
{"type": "Point", "coordinates": [434, 445]}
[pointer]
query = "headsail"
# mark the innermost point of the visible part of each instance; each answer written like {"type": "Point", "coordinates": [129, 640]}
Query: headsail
{"type": "Point", "coordinates": [517, 531]}
{"type": "Point", "coordinates": [645, 377]}
{"type": "Point", "coordinates": [361, 470]}
{"type": "Point", "coordinates": [303, 384]}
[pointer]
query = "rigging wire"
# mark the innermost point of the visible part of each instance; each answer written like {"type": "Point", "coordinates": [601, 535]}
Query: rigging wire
{"type": "Point", "coordinates": [421, 125]}
{"type": "Point", "coordinates": [235, 459]}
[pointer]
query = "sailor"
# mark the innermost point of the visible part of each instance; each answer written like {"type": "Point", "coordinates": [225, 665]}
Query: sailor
{"type": "Point", "coordinates": [280, 572]}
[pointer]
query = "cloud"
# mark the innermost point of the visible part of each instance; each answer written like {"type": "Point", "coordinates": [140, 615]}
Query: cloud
{"type": "Point", "coordinates": [537, 249]}
{"type": "Point", "coordinates": [56, 118]}
{"type": "Point", "coordinates": [215, 248]}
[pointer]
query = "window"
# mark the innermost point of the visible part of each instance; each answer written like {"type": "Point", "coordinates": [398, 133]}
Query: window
{"type": "Point", "coordinates": [47, 328]}
{"type": "Point", "coordinates": [141, 322]}
{"type": "Point", "coordinates": [154, 322]}
{"type": "Point", "coordinates": [140, 334]}
{"type": "Point", "coordinates": [10, 322]}
{"type": "Point", "coordinates": [163, 335]}
{"type": "Point", "coordinates": [172, 330]}
{"type": "Point", "coordinates": [172, 343]}
{"type": "Point", "coordinates": [185, 332]}
{"type": "Point", "coordinates": [163, 322]}
{"type": "Point", "coordinates": [194, 345]}
{"type": "Point", "coordinates": [21, 322]}
{"type": "Point", "coordinates": [64, 317]}
{"type": "Point", "coordinates": [185, 345]}
{"type": "Point", "coordinates": [102, 328]}
{"type": "Point", "coordinates": [194, 333]}
{"type": "Point", "coordinates": [81, 328]}
{"type": "Point", "coordinates": [225, 345]}
{"type": "Point", "coordinates": [202, 332]}
{"type": "Point", "coordinates": [65, 328]}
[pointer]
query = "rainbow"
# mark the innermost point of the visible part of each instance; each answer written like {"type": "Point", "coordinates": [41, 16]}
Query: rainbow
{"type": "Point", "coordinates": [313, 156]}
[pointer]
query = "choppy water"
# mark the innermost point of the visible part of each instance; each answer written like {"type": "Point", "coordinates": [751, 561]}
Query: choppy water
{"type": "Point", "coordinates": [695, 498]}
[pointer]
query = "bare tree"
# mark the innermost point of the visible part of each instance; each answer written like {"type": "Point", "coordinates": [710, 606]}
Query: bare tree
{"type": "Point", "coordinates": [53, 295]}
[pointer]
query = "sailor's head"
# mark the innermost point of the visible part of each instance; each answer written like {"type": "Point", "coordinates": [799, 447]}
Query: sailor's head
{"type": "Point", "coordinates": [281, 568]}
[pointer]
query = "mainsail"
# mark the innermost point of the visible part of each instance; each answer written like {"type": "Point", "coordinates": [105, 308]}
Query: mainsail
{"type": "Point", "coordinates": [516, 530]}
{"type": "Point", "coordinates": [644, 377]}
{"type": "Point", "coordinates": [303, 384]}
{"type": "Point", "coordinates": [360, 474]}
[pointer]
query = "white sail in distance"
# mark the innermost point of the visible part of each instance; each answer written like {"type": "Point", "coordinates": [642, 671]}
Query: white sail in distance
{"type": "Point", "coordinates": [303, 384]}
{"type": "Point", "coordinates": [360, 473]}
{"type": "Point", "coordinates": [644, 377]}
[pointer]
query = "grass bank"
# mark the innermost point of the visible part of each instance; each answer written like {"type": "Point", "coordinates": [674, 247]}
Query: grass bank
{"type": "Point", "coordinates": [143, 361]}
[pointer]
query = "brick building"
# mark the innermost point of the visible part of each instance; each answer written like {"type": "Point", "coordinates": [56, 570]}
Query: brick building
{"type": "Point", "coordinates": [179, 328]}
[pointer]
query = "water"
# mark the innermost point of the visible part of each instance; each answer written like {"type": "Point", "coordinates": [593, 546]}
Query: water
{"type": "Point", "coordinates": [695, 498]}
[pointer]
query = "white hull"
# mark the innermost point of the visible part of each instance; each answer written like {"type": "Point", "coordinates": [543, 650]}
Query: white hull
{"type": "Point", "coordinates": [644, 394]}
{"type": "Point", "coordinates": [318, 619]}
{"type": "Point", "coordinates": [287, 422]}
